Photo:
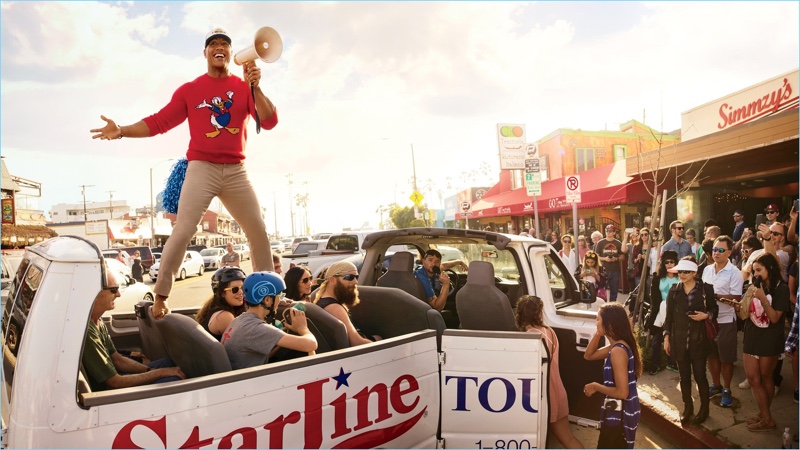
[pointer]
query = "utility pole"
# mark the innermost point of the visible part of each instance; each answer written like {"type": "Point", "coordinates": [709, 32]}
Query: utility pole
{"type": "Point", "coordinates": [83, 192]}
{"type": "Point", "coordinates": [111, 204]}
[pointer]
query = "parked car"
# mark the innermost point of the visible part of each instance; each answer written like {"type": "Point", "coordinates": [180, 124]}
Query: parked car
{"type": "Point", "coordinates": [131, 291]}
{"type": "Point", "coordinates": [192, 264]}
{"type": "Point", "coordinates": [212, 257]}
{"type": "Point", "coordinates": [157, 256]}
{"type": "Point", "coordinates": [276, 246]}
{"type": "Point", "coordinates": [297, 240]}
{"type": "Point", "coordinates": [111, 255]}
{"type": "Point", "coordinates": [243, 250]}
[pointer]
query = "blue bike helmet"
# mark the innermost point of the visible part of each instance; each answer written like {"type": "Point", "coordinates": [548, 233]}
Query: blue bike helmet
{"type": "Point", "coordinates": [225, 275]}
{"type": "Point", "coordinates": [258, 285]}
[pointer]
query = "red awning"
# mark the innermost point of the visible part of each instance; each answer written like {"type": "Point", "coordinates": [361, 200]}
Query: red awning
{"type": "Point", "coordinates": [606, 185]}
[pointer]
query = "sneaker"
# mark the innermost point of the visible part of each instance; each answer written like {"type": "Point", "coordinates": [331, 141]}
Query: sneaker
{"type": "Point", "coordinates": [795, 396]}
{"type": "Point", "coordinates": [714, 390]}
{"type": "Point", "coordinates": [744, 384]}
{"type": "Point", "coordinates": [727, 398]}
{"type": "Point", "coordinates": [672, 367]}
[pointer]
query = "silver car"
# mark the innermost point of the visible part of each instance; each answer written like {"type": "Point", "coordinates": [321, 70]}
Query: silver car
{"type": "Point", "coordinates": [243, 250]}
{"type": "Point", "coordinates": [212, 257]}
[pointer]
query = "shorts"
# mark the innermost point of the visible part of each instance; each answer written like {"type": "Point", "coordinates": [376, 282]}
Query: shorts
{"type": "Point", "coordinates": [724, 346]}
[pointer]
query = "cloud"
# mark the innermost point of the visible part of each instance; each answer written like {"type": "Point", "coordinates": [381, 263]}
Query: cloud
{"type": "Point", "coordinates": [358, 82]}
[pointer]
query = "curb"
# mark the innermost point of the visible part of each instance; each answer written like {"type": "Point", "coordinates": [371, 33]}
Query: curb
{"type": "Point", "coordinates": [680, 436]}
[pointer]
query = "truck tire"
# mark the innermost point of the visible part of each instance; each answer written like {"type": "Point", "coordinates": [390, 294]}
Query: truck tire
{"type": "Point", "coordinates": [12, 337]}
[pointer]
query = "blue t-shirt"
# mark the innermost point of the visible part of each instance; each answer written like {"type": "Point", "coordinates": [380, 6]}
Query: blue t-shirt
{"type": "Point", "coordinates": [432, 285]}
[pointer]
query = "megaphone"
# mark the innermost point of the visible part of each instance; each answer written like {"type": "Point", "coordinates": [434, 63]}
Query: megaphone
{"type": "Point", "coordinates": [267, 46]}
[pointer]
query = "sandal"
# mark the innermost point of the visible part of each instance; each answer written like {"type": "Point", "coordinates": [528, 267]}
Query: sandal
{"type": "Point", "coordinates": [761, 426]}
{"type": "Point", "coordinates": [754, 420]}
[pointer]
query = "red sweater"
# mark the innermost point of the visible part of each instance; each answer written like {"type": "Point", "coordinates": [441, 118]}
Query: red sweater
{"type": "Point", "coordinates": [218, 110]}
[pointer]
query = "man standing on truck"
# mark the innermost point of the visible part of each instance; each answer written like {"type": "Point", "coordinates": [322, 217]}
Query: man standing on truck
{"type": "Point", "coordinates": [105, 367]}
{"type": "Point", "coordinates": [434, 280]}
{"type": "Point", "coordinates": [218, 106]}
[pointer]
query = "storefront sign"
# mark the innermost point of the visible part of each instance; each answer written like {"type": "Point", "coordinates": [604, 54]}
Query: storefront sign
{"type": "Point", "coordinates": [511, 142]}
{"type": "Point", "coordinates": [8, 211]}
{"type": "Point", "coordinates": [752, 103]}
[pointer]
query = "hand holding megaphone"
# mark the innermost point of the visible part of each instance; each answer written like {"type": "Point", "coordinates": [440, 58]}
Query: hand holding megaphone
{"type": "Point", "coordinates": [267, 46]}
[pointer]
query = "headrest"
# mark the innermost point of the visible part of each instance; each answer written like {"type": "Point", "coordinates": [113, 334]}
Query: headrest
{"type": "Point", "coordinates": [480, 272]}
{"type": "Point", "coordinates": [402, 261]}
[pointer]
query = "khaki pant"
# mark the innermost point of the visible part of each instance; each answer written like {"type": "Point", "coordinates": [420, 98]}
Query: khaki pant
{"type": "Point", "coordinates": [203, 182]}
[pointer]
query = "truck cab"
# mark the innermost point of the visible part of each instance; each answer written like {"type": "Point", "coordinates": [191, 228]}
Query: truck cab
{"type": "Point", "coordinates": [423, 385]}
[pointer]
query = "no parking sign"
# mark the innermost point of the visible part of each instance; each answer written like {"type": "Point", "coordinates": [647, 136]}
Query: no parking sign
{"type": "Point", "coordinates": [573, 188]}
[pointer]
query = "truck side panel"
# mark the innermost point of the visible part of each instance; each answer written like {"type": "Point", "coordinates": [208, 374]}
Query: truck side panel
{"type": "Point", "coordinates": [493, 390]}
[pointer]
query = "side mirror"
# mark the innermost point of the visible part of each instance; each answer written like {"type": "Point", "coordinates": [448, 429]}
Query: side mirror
{"type": "Point", "coordinates": [588, 292]}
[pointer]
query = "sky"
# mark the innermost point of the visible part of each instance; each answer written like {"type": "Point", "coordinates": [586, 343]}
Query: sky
{"type": "Point", "coordinates": [359, 83]}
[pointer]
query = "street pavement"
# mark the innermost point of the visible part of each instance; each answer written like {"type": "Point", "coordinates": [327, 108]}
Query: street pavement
{"type": "Point", "coordinates": [726, 427]}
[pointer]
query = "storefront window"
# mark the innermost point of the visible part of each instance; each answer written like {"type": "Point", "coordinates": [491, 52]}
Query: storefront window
{"type": "Point", "coordinates": [693, 208]}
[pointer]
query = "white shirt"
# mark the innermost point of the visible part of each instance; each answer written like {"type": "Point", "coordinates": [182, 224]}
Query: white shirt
{"type": "Point", "coordinates": [570, 261]}
{"type": "Point", "coordinates": [727, 281]}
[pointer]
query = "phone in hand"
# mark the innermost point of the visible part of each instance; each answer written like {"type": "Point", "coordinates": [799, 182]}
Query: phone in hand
{"type": "Point", "coordinates": [691, 313]}
{"type": "Point", "coordinates": [759, 220]}
{"type": "Point", "coordinates": [796, 205]}
{"type": "Point", "coordinates": [629, 230]}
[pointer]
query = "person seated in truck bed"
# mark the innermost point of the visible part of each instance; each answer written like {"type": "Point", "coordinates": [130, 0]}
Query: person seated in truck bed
{"type": "Point", "coordinates": [250, 339]}
{"type": "Point", "coordinates": [434, 280]}
{"type": "Point", "coordinates": [337, 294]}
{"type": "Point", "coordinates": [105, 367]}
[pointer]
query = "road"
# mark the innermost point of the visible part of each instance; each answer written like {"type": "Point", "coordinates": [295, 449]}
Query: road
{"type": "Point", "coordinates": [194, 290]}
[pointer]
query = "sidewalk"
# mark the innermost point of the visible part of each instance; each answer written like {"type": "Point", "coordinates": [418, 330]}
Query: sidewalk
{"type": "Point", "coordinates": [725, 427]}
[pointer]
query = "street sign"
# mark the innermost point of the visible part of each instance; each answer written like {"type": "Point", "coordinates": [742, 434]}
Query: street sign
{"type": "Point", "coordinates": [533, 178]}
{"type": "Point", "coordinates": [416, 197]}
{"type": "Point", "coordinates": [573, 188]}
{"type": "Point", "coordinates": [466, 209]}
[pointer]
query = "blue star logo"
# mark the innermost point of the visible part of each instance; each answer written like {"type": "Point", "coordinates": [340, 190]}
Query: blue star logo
{"type": "Point", "coordinates": [341, 379]}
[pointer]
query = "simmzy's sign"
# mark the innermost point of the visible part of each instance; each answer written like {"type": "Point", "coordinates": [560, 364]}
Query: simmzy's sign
{"type": "Point", "coordinates": [755, 102]}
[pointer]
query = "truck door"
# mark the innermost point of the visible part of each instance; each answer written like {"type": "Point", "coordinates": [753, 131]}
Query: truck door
{"type": "Point", "coordinates": [494, 390]}
{"type": "Point", "coordinates": [574, 323]}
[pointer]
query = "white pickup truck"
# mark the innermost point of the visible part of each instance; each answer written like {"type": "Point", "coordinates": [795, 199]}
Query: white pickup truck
{"type": "Point", "coordinates": [338, 247]}
{"type": "Point", "coordinates": [422, 386]}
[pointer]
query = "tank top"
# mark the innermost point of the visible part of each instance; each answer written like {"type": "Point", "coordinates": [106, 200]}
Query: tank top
{"type": "Point", "coordinates": [631, 410]}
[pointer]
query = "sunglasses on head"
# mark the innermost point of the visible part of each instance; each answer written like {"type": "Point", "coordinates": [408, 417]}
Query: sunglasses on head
{"type": "Point", "coordinates": [348, 277]}
{"type": "Point", "coordinates": [305, 280]}
{"type": "Point", "coordinates": [684, 272]}
{"type": "Point", "coordinates": [234, 290]}
{"type": "Point", "coordinates": [113, 290]}
{"type": "Point", "coordinates": [719, 250]}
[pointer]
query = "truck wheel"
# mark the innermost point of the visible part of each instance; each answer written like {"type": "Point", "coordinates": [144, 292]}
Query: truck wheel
{"type": "Point", "coordinates": [12, 337]}
{"type": "Point", "coordinates": [182, 275]}
{"type": "Point", "coordinates": [148, 297]}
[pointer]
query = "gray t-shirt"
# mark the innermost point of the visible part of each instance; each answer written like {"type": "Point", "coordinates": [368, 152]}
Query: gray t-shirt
{"type": "Point", "coordinates": [682, 249]}
{"type": "Point", "coordinates": [249, 340]}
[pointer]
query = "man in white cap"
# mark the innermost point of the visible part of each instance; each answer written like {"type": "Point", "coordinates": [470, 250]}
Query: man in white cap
{"type": "Point", "coordinates": [218, 106]}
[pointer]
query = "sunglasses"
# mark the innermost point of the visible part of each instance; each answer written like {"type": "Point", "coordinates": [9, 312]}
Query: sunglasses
{"type": "Point", "coordinates": [684, 272]}
{"type": "Point", "coordinates": [678, 228]}
{"type": "Point", "coordinates": [348, 277]}
{"type": "Point", "coordinates": [719, 250]}
{"type": "Point", "coordinates": [234, 290]}
{"type": "Point", "coordinates": [113, 290]}
{"type": "Point", "coordinates": [669, 261]}
{"type": "Point", "coordinates": [305, 280]}
{"type": "Point", "coordinates": [775, 233]}
{"type": "Point", "coordinates": [746, 250]}
{"type": "Point", "coordinates": [772, 212]}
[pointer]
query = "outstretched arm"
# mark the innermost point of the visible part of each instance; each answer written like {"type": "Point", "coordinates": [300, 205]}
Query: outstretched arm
{"type": "Point", "coordinates": [113, 131]}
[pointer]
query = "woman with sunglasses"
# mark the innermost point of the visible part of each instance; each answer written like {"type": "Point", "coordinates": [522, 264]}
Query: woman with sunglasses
{"type": "Point", "coordinates": [689, 304]}
{"type": "Point", "coordinates": [298, 283]}
{"type": "Point", "coordinates": [226, 301]}
{"type": "Point", "coordinates": [662, 282]}
{"type": "Point", "coordinates": [583, 248]}
{"type": "Point", "coordinates": [763, 337]}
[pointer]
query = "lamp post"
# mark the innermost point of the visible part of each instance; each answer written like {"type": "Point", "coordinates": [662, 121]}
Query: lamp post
{"type": "Point", "coordinates": [152, 209]}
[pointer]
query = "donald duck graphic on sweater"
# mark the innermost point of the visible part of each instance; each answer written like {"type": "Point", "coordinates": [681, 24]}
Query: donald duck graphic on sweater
{"type": "Point", "coordinates": [220, 114]}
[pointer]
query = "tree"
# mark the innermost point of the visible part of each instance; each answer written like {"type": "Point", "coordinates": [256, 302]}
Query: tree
{"type": "Point", "coordinates": [402, 216]}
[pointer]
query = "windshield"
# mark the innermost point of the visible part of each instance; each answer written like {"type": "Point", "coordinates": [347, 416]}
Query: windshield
{"type": "Point", "coordinates": [210, 252]}
{"type": "Point", "coordinates": [505, 266]}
